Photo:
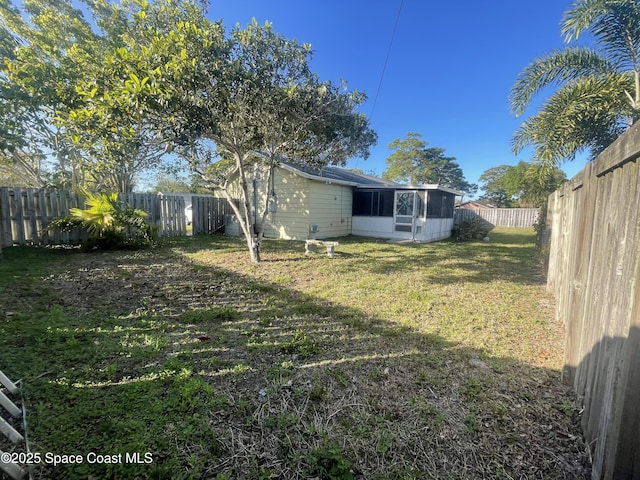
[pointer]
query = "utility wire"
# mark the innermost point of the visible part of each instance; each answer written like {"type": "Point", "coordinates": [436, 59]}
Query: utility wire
{"type": "Point", "coordinates": [386, 60]}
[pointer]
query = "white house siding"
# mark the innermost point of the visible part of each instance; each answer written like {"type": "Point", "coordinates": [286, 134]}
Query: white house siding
{"type": "Point", "coordinates": [380, 227]}
{"type": "Point", "coordinates": [290, 221]}
{"type": "Point", "coordinates": [437, 229]}
{"type": "Point", "coordinates": [330, 209]}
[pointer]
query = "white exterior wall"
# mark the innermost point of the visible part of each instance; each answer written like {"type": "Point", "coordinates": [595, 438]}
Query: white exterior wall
{"type": "Point", "coordinates": [379, 227]}
{"type": "Point", "coordinates": [330, 209]}
{"type": "Point", "coordinates": [382, 227]}
{"type": "Point", "coordinates": [437, 229]}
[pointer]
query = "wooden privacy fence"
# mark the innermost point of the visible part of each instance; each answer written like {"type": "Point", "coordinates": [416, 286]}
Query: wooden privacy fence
{"type": "Point", "coordinates": [25, 212]}
{"type": "Point", "coordinates": [499, 217]}
{"type": "Point", "coordinates": [208, 214]}
{"type": "Point", "coordinates": [594, 272]}
{"type": "Point", "coordinates": [166, 211]}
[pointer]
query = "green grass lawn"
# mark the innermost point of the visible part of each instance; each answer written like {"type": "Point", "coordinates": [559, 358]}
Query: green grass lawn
{"type": "Point", "coordinates": [386, 362]}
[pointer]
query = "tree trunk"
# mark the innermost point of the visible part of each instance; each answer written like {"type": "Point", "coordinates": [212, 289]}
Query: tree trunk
{"type": "Point", "coordinates": [248, 226]}
{"type": "Point", "coordinates": [254, 249]}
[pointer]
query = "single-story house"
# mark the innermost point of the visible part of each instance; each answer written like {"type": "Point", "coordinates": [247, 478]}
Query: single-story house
{"type": "Point", "coordinates": [332, 202]}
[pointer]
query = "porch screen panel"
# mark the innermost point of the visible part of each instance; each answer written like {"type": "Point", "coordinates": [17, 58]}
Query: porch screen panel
{"type": "Point", "coordinates": [386, 203]}
{"type": "Point", "coordinates": [421, 203]}
{"type": "Point", "coordinates": [440, 204]}
{"type": "Point", "coordinates": [363, 203]}
{"type": "Point", "coordinates": [375, 203]}
{"type": "Point", "coordinates": [448, 205]}
{"type": "Point", "coordinates": [434, 204]}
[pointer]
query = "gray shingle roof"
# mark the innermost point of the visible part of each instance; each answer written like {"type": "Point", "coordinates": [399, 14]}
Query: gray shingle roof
{"type": "Point", "coordinates": [359, 180]}
{"type": "Point", "coordinates": [341, 175]}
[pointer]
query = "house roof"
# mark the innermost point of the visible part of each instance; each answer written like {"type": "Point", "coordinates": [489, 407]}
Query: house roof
{"type": "Point", "coordinates": [471, 204]}
{"type": "Point", "coordinates": [360, 179]}
{"type": "Point", "coordinates": [336, 175]}
{"type": "Point", "coordinates": [342, 176]}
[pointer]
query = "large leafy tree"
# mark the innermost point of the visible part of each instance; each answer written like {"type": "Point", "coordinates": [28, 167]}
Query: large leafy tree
{"type": "Point", "coordinates": [492, 182]}
{"type": "Point", "coordinates": [527, 184]}
{"type": "Point", "coordinates": [443, 170]}
{"type": "Point", "coordinates": [530, 183]}
{"type": "Point", "coordinates": [50, 52]}
{"type": "Point", "coordinates": [597, 88]}
{"type": "Point", "coordinates": [37, 77]}
{"type": "Point", "coordinates": [232, 104]}
{"type": "Point", "coordinates": [414, 163]}
{"type": "Point", "coordinates": [407, 155]}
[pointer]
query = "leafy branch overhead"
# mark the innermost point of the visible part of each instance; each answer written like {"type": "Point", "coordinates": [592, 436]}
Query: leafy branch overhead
{"type": "Point", "coordinates": [50, 82]}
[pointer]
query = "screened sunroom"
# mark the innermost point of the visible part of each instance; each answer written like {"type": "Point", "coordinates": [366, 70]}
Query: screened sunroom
{"type": "Point", "coordinates": [421, 213]}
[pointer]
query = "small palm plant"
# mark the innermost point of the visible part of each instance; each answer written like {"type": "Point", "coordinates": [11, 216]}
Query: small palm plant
{"type": "Point", "coordinates": [109, 223]}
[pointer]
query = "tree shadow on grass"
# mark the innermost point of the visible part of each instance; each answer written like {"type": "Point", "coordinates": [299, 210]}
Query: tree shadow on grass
{"type": "Point", "coordinates": [217, 373]}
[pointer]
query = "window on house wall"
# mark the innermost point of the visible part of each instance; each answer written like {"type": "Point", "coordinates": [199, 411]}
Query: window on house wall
{"type": "Point", "coordinates": [373, 203]}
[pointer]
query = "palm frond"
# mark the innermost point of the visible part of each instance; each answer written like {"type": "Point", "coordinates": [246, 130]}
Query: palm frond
{"type": "Point", "coordinates": [615, 24]}
{"type": "Point", "coordinates": [620, 36]}
{"type": "Point", "coordinates": [588, 113]}
{"type": "Point", "coordinates": [558, 67]}
{"type": "Point", "coordinates": [581, 17]}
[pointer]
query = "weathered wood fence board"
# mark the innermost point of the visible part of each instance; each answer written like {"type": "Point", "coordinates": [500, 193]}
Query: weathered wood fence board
{"type": "Point", "coordinates": [208, 214]}
{"type": "Point", "coordinates": [499, 217]}
{"type": "Point", "coordinates": [172, 218]}
{"type": "Point", "coordinates": [24, 213]}
{"type": "Point", "coordinates": [594, 271]}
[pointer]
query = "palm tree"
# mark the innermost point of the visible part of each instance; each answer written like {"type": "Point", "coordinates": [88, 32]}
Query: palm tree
{"type": "Point", "coordinates": [598, 94]}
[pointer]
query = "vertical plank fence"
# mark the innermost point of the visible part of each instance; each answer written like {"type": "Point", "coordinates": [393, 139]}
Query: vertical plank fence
{"type": "Point", "coordinates": [499, 217]}
{"type": "Point", "coordinates": [594, 273]}
{"type": "Point", "coordinates": [25, 212]}
{"type": "Point", "coordinates": [208, 214]}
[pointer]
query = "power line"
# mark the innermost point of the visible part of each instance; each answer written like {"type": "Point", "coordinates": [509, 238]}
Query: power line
{"type": "Point", "coordinates": [386, 60]}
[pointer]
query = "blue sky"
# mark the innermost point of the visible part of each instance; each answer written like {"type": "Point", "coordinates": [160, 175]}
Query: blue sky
{"type": "Point", "coordinates": [449, 72]}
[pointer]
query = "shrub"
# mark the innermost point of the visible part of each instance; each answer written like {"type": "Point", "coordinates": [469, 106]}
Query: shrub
{"type": "Point", "coordinates": [471, 229]}
{"type": "Point", "coordinates": [109, 224]}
